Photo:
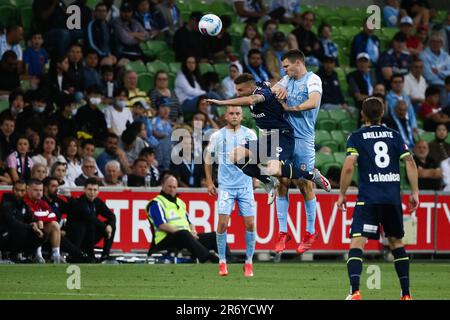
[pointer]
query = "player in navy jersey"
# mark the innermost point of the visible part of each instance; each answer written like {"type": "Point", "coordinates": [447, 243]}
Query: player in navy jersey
{"type": "Point", "coordinates": [275, 145]}
{"type": "Point", "coordinates": [377, 150]}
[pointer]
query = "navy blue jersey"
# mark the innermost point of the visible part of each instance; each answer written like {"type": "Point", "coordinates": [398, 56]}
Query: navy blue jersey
{"type": "Point", "coordinates": [268, 114]}
{"type": "Point", "coordinates": [379, 150]}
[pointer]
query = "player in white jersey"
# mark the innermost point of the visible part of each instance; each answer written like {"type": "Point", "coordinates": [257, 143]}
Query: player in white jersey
{"type": "Point", "coordinates": [304, 92]}
{"type": "Point", "coordinates": [233, 185]}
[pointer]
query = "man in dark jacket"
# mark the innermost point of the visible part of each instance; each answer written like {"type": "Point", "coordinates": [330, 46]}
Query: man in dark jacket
{"type": "Point", "coordinates": [365, 41]}
{"type": "Point", "coordinates": [332, 96]}
{"type": "Point", "coordinates": [307, 41]}
{"type": "Point", "coordinates": [84, 228]}
{"type": "Point", "coordinates": [19, 229]}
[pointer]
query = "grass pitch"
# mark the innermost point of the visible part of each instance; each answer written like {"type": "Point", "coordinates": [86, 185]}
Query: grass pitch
{"type": "Point", "coordinates": [317, 280]}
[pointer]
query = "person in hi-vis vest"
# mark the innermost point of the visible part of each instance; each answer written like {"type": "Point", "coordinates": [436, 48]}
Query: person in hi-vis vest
{"type": "Point", "coordinates": [173, 230]}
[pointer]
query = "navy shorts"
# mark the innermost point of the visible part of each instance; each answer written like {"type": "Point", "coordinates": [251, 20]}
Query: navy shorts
{"type": "Point", "coordinates": [270, 146]}
{"type": "Point", "coordinates": [367, 219]}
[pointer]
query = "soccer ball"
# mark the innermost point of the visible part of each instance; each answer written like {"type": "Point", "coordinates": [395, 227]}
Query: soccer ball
{"type": "Point", "coordinates": [210, 24]}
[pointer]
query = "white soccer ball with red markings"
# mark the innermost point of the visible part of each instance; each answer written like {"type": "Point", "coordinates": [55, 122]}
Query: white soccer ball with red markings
{"type": "Point", "coordinates": [210, 24]}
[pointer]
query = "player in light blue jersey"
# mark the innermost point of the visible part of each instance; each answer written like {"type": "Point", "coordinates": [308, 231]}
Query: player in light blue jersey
{"type": "Point", "coordinates": [304, 92]}
{"type": "Point", "coordinates": [234, 185]}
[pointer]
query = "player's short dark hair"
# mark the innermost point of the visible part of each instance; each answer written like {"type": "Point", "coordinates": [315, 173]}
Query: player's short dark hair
{"type": "Point", "coordinates": [432, 91]}
{"type": "Point", "coordinates": [397, 75]}
{"type": "Point", "coordinates": [373, 108]}
{"type": "Point", "coordinates": [13, 96]}
{"type": "Point", "coordinates": [244, 78]}
{"type": "Point", "coordinates": [294, 55]}
{"type": "Point", "coordinates": [34, 182]}
{"type": "Point", "coordinates": [85, 142]}
{"type": "Point", "coordinates": [7, 118]}
{"type": "Point", "coordinates": [91, 181]}
{"type": "Point", "coordinates": [304, 14]}
{"type": "Point", "coordinates": [48, 180]}
{"type": "Point", "coordinates": [20, 181]}
{"type": "Point", "coordinates": [254, 51]}
{"type": "Point", "coordinates": [146, 151]}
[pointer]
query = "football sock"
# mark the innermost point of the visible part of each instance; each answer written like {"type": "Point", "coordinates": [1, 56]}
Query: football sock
{"type": "Point", "coordinates": [253, 171]}
{"type": "Point", "coordinates": [55, 251]}
{"type": "Point", "coordinates": [282, 212]}
{"type": "Point", "coordinates": [250, 246]}
{"type": "Point", "coordinates": [288, 170]}
{"type": "Point", "coordinates": [39, 252]}
{"type": "Point", "coordinates": [221, 245]}
{"type": "Point", "coordinates": [354, 267]}
{"type": "Point", "coordinates": [310, 208]}
{"type": "Point", "coordinates": [401, 262]}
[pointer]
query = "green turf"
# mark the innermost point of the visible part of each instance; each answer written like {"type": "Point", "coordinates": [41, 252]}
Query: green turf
{"type": "Point", "coordinates": [190, 281]}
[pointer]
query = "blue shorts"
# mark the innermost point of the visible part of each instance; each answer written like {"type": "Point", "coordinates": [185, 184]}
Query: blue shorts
{"type": "Point", "coordinates": [367, 219]}
{"type": "Point", "coordinates": [304, 154]}
{"type": "Point", "coordinates": [283, 150]}
{"type": "Point", "coordinates": [244, 198]}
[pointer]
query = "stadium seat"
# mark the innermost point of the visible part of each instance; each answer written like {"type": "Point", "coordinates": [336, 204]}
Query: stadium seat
{"type": "Point", "coordinates": [323, 114]}
{"type": "Point", "coordinates": [137, 66]}
{"type": "Point", "coordinates": [26, 17]}
{"type": "Point", "coordinates": [389, 32]}
{"type": "Point", "coordinates": [340, 40]}
{"type": "Point", "coordinates": [348, 125]}
{"type": "Point", "coordinates": [286, 28]}
{"type": "Point", "coordinates": [339, 115]}
{"type": "Point", "coordinates": [155, 66]}
{"type": "Point", "coordinates": [201, 6]}
{"type": "Point", "coordinates": [332, 144]}
{"type": "Point", "coordinates": [98, 151]}
{"type": "Point", "coordinates": [326, 167]}
{"type": "Point", "coordinates": [145, 81]}
{"type": "Point", "coordinates": [172, 80]}
{"type": "Point", "coordinates": [341, 74]}
{"type": "Point", "coordinates": [334, 20]}
{"type": "Point", "coordinates": [404, 183]}
{"type": "Point", "coordinates": [237, 29]}
{"type": "Point", "coordinates": [340, 137]}
{"type": "Point", "coordinates": [156, 47]}
{"type": "Point", "coordinates": [344, 56]}
{"type": "Point", "coordinates": [322, 135]}
{"type": "Point", "coordinates": [184, 5]}
{"type": "Point", "coordinates": [92, 3]}
{"type": "Point", "coordinates": [323, 158]}
{"type": "Point", "coordinates": [340, 157]}
{"type": "Point", "coordinates": [174, 67]}
{"type": "Point", "coordinates": [206, 67]}
{"type": "Point", "coordinates": [221, 8]}
{"type": "Point", "coordinates": [427, 136]}
{"type": "Point", "coordinates": [326, 124]}
{"type": "Point", "coordinates": [8, 15]}
{"type": "Point", "coordinates": [21, 3]}
{"type": "Point", "coordinates": [419, 123]}
{"type": "Point", "coordinates": [222, 69]}
{"type": "Point", "coordinates": [4, 104]}
{"type": "Point", "coordinates": [167, 56]}
{"type": "Point", "coordinates": [354, 21]}
{"type": "Point", "coordinates": [349, 31]}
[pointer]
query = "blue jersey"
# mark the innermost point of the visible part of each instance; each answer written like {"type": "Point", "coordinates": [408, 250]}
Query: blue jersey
{"type": "Point", "coordinates": [221, 144]}
{"type": "Point", "coordinates": [379, 150]}
{"type": "Point", "coordinates": [303, 122]}
{"type": "Point", "coordinates": [268, 114]}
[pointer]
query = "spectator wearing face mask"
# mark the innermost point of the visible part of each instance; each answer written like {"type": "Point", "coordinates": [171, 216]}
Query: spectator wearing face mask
{"type": "Point", "coordinates": [118, 114]}
{"type": "Point", "coordinates": [36, 114]}
{"type": "Point", "coordinates": [16, 105]}
{"type": "Point", "coordinates": [89, 118]}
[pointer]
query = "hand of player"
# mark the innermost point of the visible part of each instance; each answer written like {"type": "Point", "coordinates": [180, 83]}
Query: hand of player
{"type": "Point", "coordinates": [194, 234]}
{"type": "Point", "coordinates": [284, 105]}
{"type": "Point", "coordinates": [211, 189]}
{"type": "Point", "coordinates": [413, 202]}
{"type": "Point", "coordinates": [108, 231]}
{"type": "Point", "coordinates": [341, 203]}
{"type": "Point", "coordinates": [40, 225]}
{"type": "Point", "coordinates": [215, 101]}
{"type": "Point", "coordinates": [280, 93]}
{"type": "Point", "coordinates": [36, 230]}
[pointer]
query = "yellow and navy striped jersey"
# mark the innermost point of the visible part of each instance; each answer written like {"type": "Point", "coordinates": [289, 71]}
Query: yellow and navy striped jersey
{"type": "Point", "coordinates": [379, 150]}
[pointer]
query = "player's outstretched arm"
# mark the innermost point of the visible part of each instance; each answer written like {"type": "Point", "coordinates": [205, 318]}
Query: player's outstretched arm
{"type": "Point", "coordinates": [312, 103]}
{"type": "Point", "coordinates": [413, 178]}
{"type": "Point", "coordinates": [241, 101]}
{"type": "Point", "coordinates": [346, 179]}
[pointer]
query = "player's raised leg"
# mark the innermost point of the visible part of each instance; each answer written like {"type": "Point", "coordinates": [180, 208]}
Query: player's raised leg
{"type": "Point", "coordinates": [354, 266]}
{"type": "Point", "coordinates": [306, 188]}
{"type": "Point", "coordinates": [245, 160]}
{"type": "Point", "coordinates": [401, 261]}
{"type": "Point", "coordinates": [282, 214]}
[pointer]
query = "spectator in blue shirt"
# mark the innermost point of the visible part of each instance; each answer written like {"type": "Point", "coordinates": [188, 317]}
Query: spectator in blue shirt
{"type": "Point", "coordinates": [35, 57]}
{"type": "Point", "coordinates": [162, 130]}
{"type": "Point", "coordinates": [139, 112]}
{"type": "Point", "coordinates": [150, 18]}
{"type": "Point", "coordinates": [330, 48]}
{"type": "Point", "coordinates": [395, 95]}
{"type": "Point", "coordinates": [365, 41]}
{"type": "Point", "coordinates": [391, 12]}
{"type": "Point", "coordinates": [396, 60]}
{"type": "Point", "coordinates": [436, 64]}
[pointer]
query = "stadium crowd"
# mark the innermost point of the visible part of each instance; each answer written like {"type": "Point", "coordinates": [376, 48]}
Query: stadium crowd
{"type": "Point", "coordinates": [84, 119]}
